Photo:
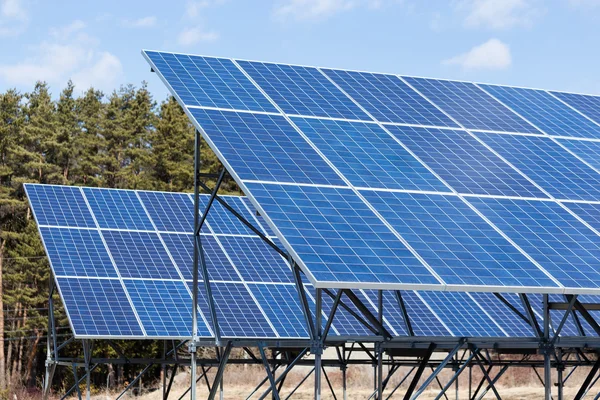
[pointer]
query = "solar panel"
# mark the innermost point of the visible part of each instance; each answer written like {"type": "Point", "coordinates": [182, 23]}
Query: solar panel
{"type": "Point", "coordinates": [464, 163]}
{"type": "Point", "coordinates": [587, 150]}
{"type": "Point", "coordinates": [262, 223]}
{"type": "Point", "coordinates": [368, 156]}
{"type": "Point", "coordinates": [344, 322]}
{"type": "Point", "coordinates": [224, 222]}
{"type": "Point", "coordinates": [548, 164]}
{"type": "Point", "coordinates": [388, 99]}
{"type": "Point", "coordinates": [559, 242]}
{"type": "Point", "coordinates": [503, 315]}
{"type": "Point", "coordinates": [170, 212]}
{"type": "Point", "coordinates": [208, 81]}
{"type": "Point", "coordinates": [302, 91]}
{"type": "Point", "coordinates": [57, 206]}
{"type": "Point", "coordinates": [545, 111]}
{"type": "Point", "coordinates": [349, 243]}
{"type": "Point", "coordinates": [391, 310]}
{"type": "Point", "coordinates": [461, 247]}
{"type": "Point", "coordinates": [117, 209]}
{"type": "Point", "coordinates": [424, 322]}
{"type": "Point", "coordinates": [470, 106]}
{"type": "Point", "coordinates": [588, 212]}
{"type": "Point", "coordinates": [586, 104]}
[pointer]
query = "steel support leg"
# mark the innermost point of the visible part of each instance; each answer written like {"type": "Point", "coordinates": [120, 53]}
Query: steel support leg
{"type": "Point", "coordinates": [300, 383]}
{"type": "Point", "coordinates": [419, 373]}
{"type": "Point", "coordinates": [265, 361]}
{"type": "Point", "coordinates": [344, 390]}
{"type": "Point", "coordinates": [220, 371]}
{"type": "Point", "coordinates": [318, 350]}
{"type": "Point", "coordinates": [488, 387]}
{"type": "Point", "coordinates": [439, 369]}
{"type": "Point", "coordinates": [400, 383]}
{"type": "Point", "coordinates": [284, 373]}
{"type": "Point", "coordinates": [455, 378]}
{"type": "Point", "coordinates": [586, 383]}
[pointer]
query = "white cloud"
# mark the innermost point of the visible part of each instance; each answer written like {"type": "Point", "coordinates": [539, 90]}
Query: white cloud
{"type": "Point", "coordinates": [193, 8]}
{"type": "Point", "coordinates": [499, 14]}
{"type": "Point", "coordinates": [321, 9]}
{"type": "Point", "coordinates": [14, 17]}
{"type": "Point", "coordinates": [492, 54]}
{"type": "Point", "coordinates": [145, 22]}
{"type": "Point", "coordinates": [70, 54]}
{"type": "Point", "coordinates": [192, 36]}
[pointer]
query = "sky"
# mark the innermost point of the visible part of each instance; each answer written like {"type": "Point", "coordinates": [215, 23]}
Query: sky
{"type": "Point", "coordinates": [550, 44]}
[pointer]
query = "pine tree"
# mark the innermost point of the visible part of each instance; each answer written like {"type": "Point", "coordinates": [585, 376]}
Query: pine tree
{"type": "Point", "coordinates": [90, 142]}
{"type": "Point", "coordinates": [67, 132]}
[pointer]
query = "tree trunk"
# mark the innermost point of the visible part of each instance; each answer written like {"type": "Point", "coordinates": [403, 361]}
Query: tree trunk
{"type": "Point", "coordinates": [2, 358]}
{"type": "Point", "coordinates": [21, 345]}
{"type": "Point", "coordinates": [32, 353]}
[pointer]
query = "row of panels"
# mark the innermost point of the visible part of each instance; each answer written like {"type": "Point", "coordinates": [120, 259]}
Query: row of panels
{"type": "Point", "coordinates": [321, 92]}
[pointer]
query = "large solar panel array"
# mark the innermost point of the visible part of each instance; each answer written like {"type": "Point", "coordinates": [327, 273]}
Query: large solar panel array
{"type": "Point", "coordinates": [383, 181]}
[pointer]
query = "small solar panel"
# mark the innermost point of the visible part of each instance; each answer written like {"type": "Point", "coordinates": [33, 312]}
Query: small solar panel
{"type": "Point", "coordinates": [170, 212]}
{"type": "Point", "coordinates": [464, 163]}
{"type": "Point", "coordinates": [98, 307]}
{"type": "Point", "coordinates": [461, 314]}
{"type": "Point", "coordinates": [209, 81]}
{"type": "Point", "coordinates": [506, 318]}
{"type": "Point", "coordinates": [164, 307]}
{"type": "Point", "coordinates": [388, 99]}
{"type": "Point", "coordinates": [140, 255]}
{"type": "Point", "coordinates": [587, 150]}
{"type": "Point", "coordinates": [117, 209]}
{"type": "Point", "coordinates": [560, 243]}
{"type": "Point", "coordinates": [338, 237]}
{"type": "Point", "coordinates": [392, 312]}
{"type": "Point", "coordinates": [368, 156]}
{"type": "Point", "coordinates": [59, 206]}
{"type": "Point", "coordinates": [77, 252]}
{"type": "Point", "coordinates": [586, 104]}
{"type": "Point", "coordinates": [461, 247]}
{"type": "Point", "coordinates": [424, 321]}
{"type": "Point", "coordinates": [544, 111]}
{"type": "Point", "coordinates": [470, 106]}
{"type": "Point", "coordinates": [302, 91]}
{"type": "Point", "coordinates": [264, 147]}
{"type": "Point", "coordinates": [548, 164]}
{"type": "Point", "coordinates": [282, 306]}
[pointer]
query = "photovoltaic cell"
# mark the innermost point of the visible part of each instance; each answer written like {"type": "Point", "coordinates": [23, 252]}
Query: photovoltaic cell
{"type": "Point", "coordinates": [302, 91]}
{"type": "Point", "coordinates": [470, 106]}
{"type": "Point", "coordinates": [344, 322]}
{"type": "Point", "coordinates": [424, 322]}
{"type": "Point", "coordinates": [140, 255]}
{"type": "Point", "coordinates": [98, 307]}
{"type": "Point", "coordinates": [256, 260]}
{"type": "Point", "coordinates": [464, 163]}
{"type": "Point", "coordinates": [544, 111]}
{"type": "Point", "coordinates": [368, 156]}
{"type": "Point", "coordinates": [117, 209]}
{"type": "Point", "coordinates": [261, 220]}
{"type": "Point", "coordinates": [589, 212]}
{"type": "Point", "coordinates": [264, 147]}
{"type": "Point", "coordinates": [208, 81]}
{"type": "Point", "coordinates": [389, 99]}
{"type": "Point", "coordinates": [164, 307]}
{"type": "Point", "coordinates": [391, 309]}
{"type": "Point", "coordinates": [77, 252]}
{"type": "Point", "coordinates": [282, 306]}
{"type": "Point", "coordinates": [461, 247]}
{"type": "Point", "coordinates": [510, 322]}
{"type": "Point", "coordinates": [549, 165]}
{"type": "Point", "coordinates": [59, 206]}
{"type": "Point", "coordinates": [587, 150]}
{"type": "Point", "coordinates": [338, 237]}
{"type": "Point", "coordinates": [170, 212]}
{"type": "Point", "coordinates": [461, 314]}
{"type": "Point", "coordinates": [224, 222]}
{"type": "Point", "coordinates": [561, 244]}
{"type": "Point", "coordinates": [588, 105]}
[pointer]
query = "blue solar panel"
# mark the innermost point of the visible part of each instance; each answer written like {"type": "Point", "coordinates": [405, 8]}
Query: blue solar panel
{"type": "Point", "coordinates": [423, 321]}
{"type": "Point", "coordinates": [77, 252]}
{"type": "Point", "coordinates": [117, 209]}
{"type": "Point", "coordinates": [170, 212]}
{"type": "Point", "coordinates": [470, 106]}
{"type": "Point", "coordinates": [338, 237]}
{"type": "Point", "coordinates": [561, 244]}
{"type": "Point", "coordinates": [302, 91]}
{"type": "Point", "coordinates": [208, 81]}
{"type": "Point", "coordinates": [368, 156]}
{"type": "Point", "coordinates": [549, 165]}
{"type": "Point", "coordinates": [464, 163]}
{"type": "Point", "coordinates": [510, 322]}
{"type": "Point", "coordinates": [264, 147]}
{"type": "Point", "coordinates": [256, 260]}
{"type": "Point", "coordinates": [544, 111]}
{"type": "Point", "coordinates": [587, 150]}
{"type": "Point", "coordinates": [181, 248]}
{"type": "Point", "coordinates": [261, 220]}
{"type": "Point", "coordinates": [459, 245]}
{"type": "Point", "coordinates": [164, 307]}
{"type": "Point", "coordinates": [389, 99]}
{"type": "Point", "coordinates": [588, 105]}
{"type": "Point", "coordinates": [344, 322]}
{"type": "Point", "coordinates": [238, 314]}
{"type": "Point", "coordinates": [98, 307]}
{"type": "Point", "coordinates": [282, 306]}
{"type": "Point", "coordinates": [391, 310]}
{"type": "Point", "coordinates": [461, 314]}
{"type": "Point", "coordinates": [140, 255]}
{"type": "Point", "coordinates": [589, 212]}
{"type": "Point", "coordinates": [59, 206]}
{"type": "Point", "coordinates": [222, 221]}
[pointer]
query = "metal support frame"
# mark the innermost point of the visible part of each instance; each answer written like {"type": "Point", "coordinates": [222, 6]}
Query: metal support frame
{"type": "Point", "coordinates": [263, 355]}
{"type": "Point", "coordinates": [419, 373]}
{"type": "Point", "coordinates": [219, 375]}
{"type": "Point", "coordinates": [588, 380]}
{"type": "Point", "coordinates": [51, 346]}
{"type": "Point", "coordinates": [439, 369]}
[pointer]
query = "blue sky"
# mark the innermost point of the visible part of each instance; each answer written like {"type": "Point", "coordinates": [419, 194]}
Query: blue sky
{"type": "Point", "coordinates": [552, 44]}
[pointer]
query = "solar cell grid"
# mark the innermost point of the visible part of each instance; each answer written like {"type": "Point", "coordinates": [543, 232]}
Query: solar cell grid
{"type": "Point", "coordinates": [302, 91]}
{"type": "Point", "coordinates": [586, 104]}
{"type": "Point", "coordinates": [59, 206]}
{"type": "Point", "coordinates": [464, 163]}
{"type": "Point", "coordinates": [587, 150]}
{"type": "Point", "coordinates": [117, 209]}
{"type": "Point", "coordinates": [224, 222]}
{"type": "Point", "coordinates": [264, 147]}
{"type": "Point", "coordinates": [546, 112]}
{"type": "Point", "coordinates": [368, 156]}
{"type": "Point", "coordinates": [391, 310]}
{"type": "Point", "coordinates": [389, 99]}
{"type": "Point", "coordinates": [423, 321]}
{"type": "Point", "coordinates": [470, 106]}
{"type": "Point", "coordinates": [170, 212]}
{"type": "Point", "coordinates": [344, 322]}
{"type": "Point", "coordinates": [503, 315]}
{"type": "Point", "coordinates": [588, 212]}
{"type": "Point", "coordinates": [262, 223]}
{"type": "Point", "coordinates": [548, 164]}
